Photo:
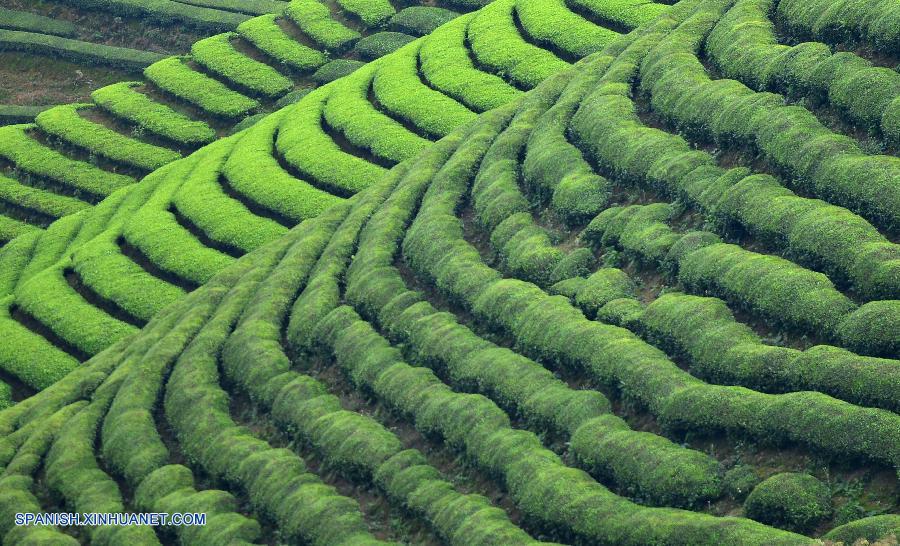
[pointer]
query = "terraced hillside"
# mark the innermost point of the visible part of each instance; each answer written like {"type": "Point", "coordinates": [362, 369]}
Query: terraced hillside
{"type": "Point", "coordinates": [525, 302]}
{"type": "Point", "coordinates": [75, 155]}
{"type": "Point", "coordinates": [96, 276]}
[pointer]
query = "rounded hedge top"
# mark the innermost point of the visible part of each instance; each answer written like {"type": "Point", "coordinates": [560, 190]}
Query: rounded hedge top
{"type": "Point", "coordinates": [790, 500]}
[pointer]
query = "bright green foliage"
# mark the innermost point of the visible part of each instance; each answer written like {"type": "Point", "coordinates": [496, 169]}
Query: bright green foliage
{"type": "Point", "coordinates": [745, 46]}
{"type": "Point", "coordinates": [373, 13]}
{"type": "Point", "coordinates": [349, 111]}
{"type": "Point", "coordinates": [102, 267]}
{"type": "Point", "coordinates": [40, 201]}
{"type": "Point", "coordinates": [30, 357]}
{"type": "Point", "coordinates": [10, 228]}
{"type": "Point", "coordinates": [551, 23]}
{"type": "Point", "coordinates": [171, 489]}
{"type": "Point", "coordinates": [264, 33]}
{"type": "Point", "coordinates": [49, 298]}
{"type": "Point", "coordinates": [76, 50]}
{"type": "Point", "coordinates": [789, 500]}
{"type": "Point", "coordinates": [175, 77]}
{"type": "Point", "coordinates": [626, 13]}
{"type": "Point", "coordinates": [218, 55]}
{"type": "Point", "coordinates": [318, 159]}
{"type": "Point", "coordinates": [446, 66]}
{"type": "Point", "coordinates": [874, 328]}
{"type": "Point", "coordinates": [497, 45]}
{"type": "Point", "coordinates": [422, 20]}
{"type": "Point", "coordinates": [124, 101]}
{"type": "Point", "coordinates": [82, 179]}
{"type": "Point", "coordinates": [252, 171]}
{"type": "Point", "coordinates": [31, 22]}
{"type": "Point", "coordinates": [67, 124]}
{"type": "Point", "coordinates": [725, 351]}
{"type": "Point", "coordinates": [314, 19]}
{"type": "Point", "coordinates": [400, 92]}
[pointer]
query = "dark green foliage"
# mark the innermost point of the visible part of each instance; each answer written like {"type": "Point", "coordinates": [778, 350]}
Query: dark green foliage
{"type": "Point", "coordinates": [873, 329]}
{"type": "Point", "coordinates": [335, 69]}
{"type": "Point", "coordinates": [421, 20]}
{"type": "Point", "coordinates": [76, 50]}
{"type": "Point", "coordinates": [169, 11]}
{"type": "Point", "coordinates": [789, 500]}
{"type": "Point", "coordinates": [380, 44]}
{"type": "Point", "coordinates": [31, 22]}
{"type": "Point", "coordinates": [871, 528]}
{"type": "Point", "coordinates": [739, 481]}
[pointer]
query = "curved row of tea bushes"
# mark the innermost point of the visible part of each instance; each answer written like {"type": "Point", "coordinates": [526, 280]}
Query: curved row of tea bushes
{"type": "Point", "coordinates": [421, 20]}
{"type": "Point", "coordinates": [305, 146]}
{"type": "Point", "coordinates": [349, 111]}
{"type": "Point", "coordinates": [525, 248]}
{"type": "Point", "coordinates": [11, 228]}
{"type": "Point", "coordinates": [76, 50]}
{"type": "Point", "coordinates": [173, 76]}
{"type": "Point", "coordinates": [222, 220]}
{"type": "Point", "coordinates": [114, 277]}
{"type": "Point", "coordinates": [265, 34]}
{"type": "Point", "coordinates": [74, 473]}
{"type": "Point", "coordinates": [435, 247]}
{"type": "Point", "coordinates": [155, 232]}
{"type": "Point", "coordinates": [552, 24]}
{"type": "Point", "coordinates": [725, 351]}
{"type": "Point", "coordinates": [32, 22]}
{"type": "Point", "coordinates": [554, 170]}
{"type": "Point", "coordinates": [626, 13]}
{"type": "Point", "coordinates": [43, 202]}
{"type": "Point", "coordinates": [561, 498]}
{"type": "Point", "coordinates": [377, 368]}
{"type": "Point", "coordinates": [662, 474]}
{"type": "Point", "coordinates": [877, 23]}
{"type": "Point", "coordinates": [132, 270]}
{"type": "Point", "coordinates": [170, 489]}
{"type": "Point", "coordinates": [314, 19]}
{"type": "Point", "coordinates": [123, 101]}
{"type": "Point", "coordinates": [54, 303]}
{"type": "Point", "coordinates": [252, 171]}
{"type": "Point", "coordinates": [18, 484]}
{"type": "Point", "coordinates": [250, 7]}
{"type": "Point", "coordinates": [65, 123]}
{"type": "Point", "coordinates": [372, 13]}
{"type": "Point", "coordinates": [359, 446]}
{"type": "Point", "coordinates": [607, 127]}
{"type": "Point", "coordinates": [275, 480]}
{"type": "Point", "coordinates": [825, 164]}
{"type": "Point", "coordinates": [776, 288]}
{"type": "Point", "coordinates": [25, 348]}
{"type": "Point", "coordinates": [78, 178]}
{"type": "Point", "coordinates": [166, 11]}
{"type": "Point", "coordinates": [375, 46]}
{"type": "Point", "coordinates": [870, 528]}
{"type": "Point", "coordinates": [498, 46]}
{"type": "Point", "coordinates": [446, 65]}
{"type": "Point", "coordinates": [744, 46]}
{"type": "Point", "coordinates": [218, 55]}
{"type": "Point", "coordinates": [399, 90]}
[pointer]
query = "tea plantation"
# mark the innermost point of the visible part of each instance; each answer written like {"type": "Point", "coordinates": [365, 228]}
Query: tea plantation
{"type": "Point", "coordinates": [562, 271]}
